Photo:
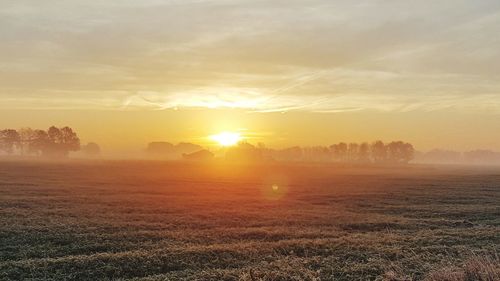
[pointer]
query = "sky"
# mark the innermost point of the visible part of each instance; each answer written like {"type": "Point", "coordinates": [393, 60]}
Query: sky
{"type": "Point", "coordinates": [123, 73]}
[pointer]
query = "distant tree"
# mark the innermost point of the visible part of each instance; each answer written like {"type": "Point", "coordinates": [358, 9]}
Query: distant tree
{"type": "Point", "coordinates": [62, 141]}
{"type": "Point", "coordinates": [9, 140]}
{"type": "Point", "coordinates": [70, 140]}
{"type": "Point", "coordinates": [393, 152]}
{"type": "Point", "coordinates": [364, 152]}
{"type": "Point", "coordinates": [379, 152]}
{"type": "Point", "coordinates": [27, 135]}
{"type": "Point", "coordinates": [159, 148]}
{"type": "Point", "coordinates": [40, 143]}
{"type": "Point", "coordinates": [295, 153]}
{"type": "Point", "coordinates": [91, 149]}
{"type": "Point", "coordinates": [339, 151]}
{"type": "Point", "coordinates": [353, 152]}
{"type": "Point", "coordinates": [407, 152]}
{"type": "Point", "coordinates": [55, 134]}
{"type": "Point", "coordinates": [244, 152]}
{"type": "Point", "coordinates": [400, 152]}
{"type": "Point", "coordinates": [317, 153]}
{"type": "Point", "coordinates": [53, 142]}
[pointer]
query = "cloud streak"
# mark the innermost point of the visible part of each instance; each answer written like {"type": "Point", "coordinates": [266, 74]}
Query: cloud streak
{"type": "Point", "coordinates": [258, 56]}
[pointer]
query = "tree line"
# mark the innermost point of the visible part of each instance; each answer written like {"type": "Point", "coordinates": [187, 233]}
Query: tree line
{"type": "Point", "coordinates": [53, 142]}
{"type": "Point", "coordinates": [396, 152]}
{"type": "Point", "coordinates": [376, 152]}
{"type": "Point", "coordinates": [59, 142]}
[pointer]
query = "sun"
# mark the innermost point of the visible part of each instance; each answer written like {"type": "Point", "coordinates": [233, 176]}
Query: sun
{"type": "Point", "coordinates": [226, 138]}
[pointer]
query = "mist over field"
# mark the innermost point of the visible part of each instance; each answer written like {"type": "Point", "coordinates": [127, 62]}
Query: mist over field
{"type": "Point", "coordinates": [61, 143]}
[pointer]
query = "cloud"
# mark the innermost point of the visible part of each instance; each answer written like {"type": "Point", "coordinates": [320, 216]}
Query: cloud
{"type": "Point", "coordinates": [260, 56]}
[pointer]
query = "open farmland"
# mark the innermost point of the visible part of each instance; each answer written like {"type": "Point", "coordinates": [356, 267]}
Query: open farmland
{"type": "Point", "coordinates": [134, 220]}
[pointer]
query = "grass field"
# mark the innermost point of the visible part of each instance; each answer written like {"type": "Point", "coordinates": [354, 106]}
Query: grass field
{"type": "Point", "coordinates": [174, 221]}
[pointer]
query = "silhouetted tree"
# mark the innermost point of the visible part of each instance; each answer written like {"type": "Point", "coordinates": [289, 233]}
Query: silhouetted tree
{"type": "Point", "coordinates": [244, 152]}
{"type": "Point", "coordinates": [91, 149]}
{"type": "Point", "coordinates": [393, 152]}
{"type": "Point", "coordinates": [27, 135]}
{"type": "Point", "coordinates": [289, 154]}
{"type": "Point", "coordinates": [39, 143]}
{"type": "Point", "coordinates": [353, 152]}
{"type": "Point", "coordinates": [339, 151]}
{"type": "Point", "coordinates": [317, 153]}
{"type": "Point", "coordinates": [161, 147]}
{"type": "Point", "coordinates": [400, 152]}
{"type": "Point", "coordinates": [379, 152]}
{"type": "Point", "coordinates": [62, 141]}
{"type": "Point", "coordinates": [364, 152]}
{"type": "Point", "coordinates": [407, 152]}
{"type": "Point", "coordinates": [9, 140]}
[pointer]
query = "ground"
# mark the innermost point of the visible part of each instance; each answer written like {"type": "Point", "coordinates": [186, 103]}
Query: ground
{"type": "Point", "coordinates": [134, 220]}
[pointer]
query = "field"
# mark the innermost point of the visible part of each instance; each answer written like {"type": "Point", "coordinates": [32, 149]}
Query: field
{"type": "Point", "coordinates": [133, 220]}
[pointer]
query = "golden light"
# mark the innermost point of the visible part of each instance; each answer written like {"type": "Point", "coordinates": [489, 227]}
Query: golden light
{"type": "Point", "coordinates": [226, 138]}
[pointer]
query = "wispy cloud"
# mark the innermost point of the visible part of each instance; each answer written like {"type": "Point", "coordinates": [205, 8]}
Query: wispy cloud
{"type": "Point", "coordinates": [258, 56]}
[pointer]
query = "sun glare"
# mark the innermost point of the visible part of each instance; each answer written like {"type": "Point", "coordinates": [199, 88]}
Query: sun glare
{"type": "Point", "coordinates": [226, 138]}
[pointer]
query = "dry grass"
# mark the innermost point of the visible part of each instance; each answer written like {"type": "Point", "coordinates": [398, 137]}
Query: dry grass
{"type": "Point", "coordinates": [180, 221]}
{"type": "Point", "coordinates": [474, 269]}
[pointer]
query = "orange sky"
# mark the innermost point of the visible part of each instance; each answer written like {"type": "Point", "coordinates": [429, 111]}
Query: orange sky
{"type": "Point", "coordinates": [132, 130]}
{"type": "Point", "coordinates": [281, 72]}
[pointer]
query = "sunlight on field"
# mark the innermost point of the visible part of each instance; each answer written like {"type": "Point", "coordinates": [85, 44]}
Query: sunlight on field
{"type": "Point", "coordinates": [147, 221]}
